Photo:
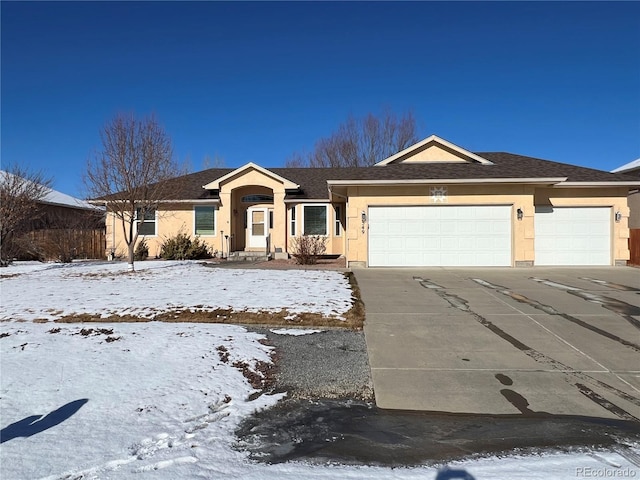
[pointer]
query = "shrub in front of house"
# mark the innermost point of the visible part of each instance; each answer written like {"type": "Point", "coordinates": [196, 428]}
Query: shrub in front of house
{"type": "Point", "coordinates": [142, 251]}
{"type": "Point", "coordinates": [307, 249]}
{"type": "Point", "coordinates": [182, 247]}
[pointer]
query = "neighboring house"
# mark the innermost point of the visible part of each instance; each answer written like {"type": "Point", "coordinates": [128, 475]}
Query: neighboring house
{"type": "Point", "coordinates": [63, 227]}
{"type": "Point", "coordinates": [61, 210]}
{"type": "Point", "coordinates": [632, 169]}
{"type": "Point", "coordinates": [68, 228]}
{"type": "Point", "coordinates": [432, 204]}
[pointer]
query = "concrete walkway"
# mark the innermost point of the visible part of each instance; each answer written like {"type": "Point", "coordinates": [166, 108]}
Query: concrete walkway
{"type": "Point", "coordinates": [535, 341]}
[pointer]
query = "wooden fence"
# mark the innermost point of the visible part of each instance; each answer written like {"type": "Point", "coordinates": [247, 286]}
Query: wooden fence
{"type": "Point", "coordinates": [78, 243]}
{"type": "Point", "coordinates": [634, 246]}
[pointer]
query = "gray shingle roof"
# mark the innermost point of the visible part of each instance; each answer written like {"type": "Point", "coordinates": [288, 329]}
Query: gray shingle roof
{"type": "Point", "coordinates": [313, 181]}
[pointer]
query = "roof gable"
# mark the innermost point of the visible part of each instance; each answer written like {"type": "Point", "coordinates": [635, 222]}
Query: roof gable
{"type": "Point", "coordinates": [434, 149]}
{"type": "Point", "coordinates": [215, 185]}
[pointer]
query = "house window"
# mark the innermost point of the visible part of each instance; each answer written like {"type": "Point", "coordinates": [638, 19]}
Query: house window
{"type": "Point", "coordinates": [257, 198]}
{"type": "Point", "coordinates": [270, 218]}
{"type": "Point", "coordinates": [315, 220]}
{"type": "Point", "coordinates": [338, 225]}
{"type": "Point", "coordinates": [292, 222]}
{"type": "Point", "coordinates": [205, 220]}
{"type": "Point", "coordinates": [146, 225]}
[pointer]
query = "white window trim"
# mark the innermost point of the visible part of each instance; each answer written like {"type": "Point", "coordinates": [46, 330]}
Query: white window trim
{"type": "Point", "coordinates": [155, 225]}
{"type": "Point", "coordinates": [293, 221]}
{"type": "Point", "coordinates": [328, 218]}
{"type": "Point", "coordinates": [337, 220]}
{"type": "Point", "coordinates": [215, 220]}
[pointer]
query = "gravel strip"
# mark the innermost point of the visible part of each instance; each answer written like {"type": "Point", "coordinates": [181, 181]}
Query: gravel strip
{"type": "Point", "coordinates": [332, 363]}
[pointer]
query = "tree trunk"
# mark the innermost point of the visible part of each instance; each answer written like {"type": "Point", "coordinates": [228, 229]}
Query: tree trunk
{"type": "Point", "coordinates": [131, 254]}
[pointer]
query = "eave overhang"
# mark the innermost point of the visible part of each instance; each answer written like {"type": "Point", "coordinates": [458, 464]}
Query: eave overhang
{"type": "Point", "coordinates": [597, 184]}
{"type": "Point", "coordinates": [449, 181]}
{"type": "Point", "coordinates": [198, 201]}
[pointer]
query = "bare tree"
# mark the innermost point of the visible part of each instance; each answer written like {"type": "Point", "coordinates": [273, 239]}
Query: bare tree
{"type": "Point", "coordinates": [361, 142]}
{"type": "Point", "coordinates": [20, 192]}
{"type": "Point", "coordinates": [131, 173]}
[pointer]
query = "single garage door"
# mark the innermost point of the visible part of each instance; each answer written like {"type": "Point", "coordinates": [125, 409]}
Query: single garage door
{"type": "Point", "coordinates": [573, 235]}
{"type": "Point", "coordinates": [420, 236]}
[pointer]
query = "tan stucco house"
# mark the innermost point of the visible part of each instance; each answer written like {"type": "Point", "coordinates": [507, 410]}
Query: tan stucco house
{"type": "Point", "coordinates": [432, 204]}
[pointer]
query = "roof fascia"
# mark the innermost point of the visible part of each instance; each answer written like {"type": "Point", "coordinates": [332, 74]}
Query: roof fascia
{"type": "Point", "coordinates": [199, 201]}
{"type": "Point", "coordinates": [435, 139]}
{"type": "Point", "coordinates": [429, 181]}
{"type": "Point", "coordinates": [597, 184]}
{"type": "Point", "coordinates": [215, 185]}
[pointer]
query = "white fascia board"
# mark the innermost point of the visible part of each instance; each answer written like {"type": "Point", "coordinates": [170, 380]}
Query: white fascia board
{"type": "Point", "coordinates": [441, 141]}
{"type": "Point", "coordinates": [215, 185]}
{"type": "Point", "coordinates": [597, 184]}
{"type": "Point", "coordinates": [430, 181]}
{"type": "Point", "coordinates": [213, 201]}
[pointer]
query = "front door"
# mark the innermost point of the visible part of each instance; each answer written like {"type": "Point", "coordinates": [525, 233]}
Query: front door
{"type": "Point", "coordinates": [257, 226]}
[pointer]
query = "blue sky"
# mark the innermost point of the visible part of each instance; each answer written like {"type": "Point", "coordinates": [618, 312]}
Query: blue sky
{"type": "Point", "coordinates": [259, 81]}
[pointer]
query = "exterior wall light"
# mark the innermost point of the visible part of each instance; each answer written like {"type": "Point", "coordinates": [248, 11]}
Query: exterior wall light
{"type": "Point", "coordinates": [520, 214]}
{"type": "Point", "coordinates": [363, 216]}
{"type": "Point", "coordinates": [618, 216]}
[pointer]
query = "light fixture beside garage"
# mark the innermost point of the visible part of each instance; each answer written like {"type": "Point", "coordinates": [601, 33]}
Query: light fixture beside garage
{"type": "Point", "coordinates": [618, 216]}
{"type": "Point", "coordinates": [520, 214]}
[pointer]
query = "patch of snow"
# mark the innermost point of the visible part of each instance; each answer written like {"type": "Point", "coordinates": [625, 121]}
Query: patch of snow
{"type": "Point", "coordinates": [105, 289]}
{"type": "Point", "coordinates": [54, 197]}
{"type": "Point", "coordinates": [294, 331]}
{"type": "Point", "coordinates": [627, 167]}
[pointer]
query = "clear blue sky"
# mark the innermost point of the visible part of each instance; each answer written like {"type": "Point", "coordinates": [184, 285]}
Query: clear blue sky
{"type": "Point", "coordinates": [259, 81]}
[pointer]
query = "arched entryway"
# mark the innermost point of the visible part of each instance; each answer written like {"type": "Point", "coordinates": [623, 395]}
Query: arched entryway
{"type": "Point", "coordinates": [252, 218]}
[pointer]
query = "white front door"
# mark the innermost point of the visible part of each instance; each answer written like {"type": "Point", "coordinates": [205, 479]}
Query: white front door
{"type": "Point", "coordinates": [257, 226]}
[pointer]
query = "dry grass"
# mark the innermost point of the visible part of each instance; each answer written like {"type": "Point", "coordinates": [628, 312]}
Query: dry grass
{"type": "Point", "coordinates": [9, 275]}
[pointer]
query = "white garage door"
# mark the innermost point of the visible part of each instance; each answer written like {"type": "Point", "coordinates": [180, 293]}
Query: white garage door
{"type": "Point", "coordinates": [573, 236]}
{"type": "Point", "coordinates": [440, 236]}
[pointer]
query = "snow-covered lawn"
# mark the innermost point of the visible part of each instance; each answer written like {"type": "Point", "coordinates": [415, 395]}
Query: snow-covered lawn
{"type": "Point", "coordinates": [51, 291]}
{"type": "Point", "coordinates": [162, 400]}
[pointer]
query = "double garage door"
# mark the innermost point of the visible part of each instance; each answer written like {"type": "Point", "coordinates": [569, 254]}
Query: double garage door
{"type": "Point", "coordinates": [416, 236]}
{"type": "Point", "coordinates": [440, 236]}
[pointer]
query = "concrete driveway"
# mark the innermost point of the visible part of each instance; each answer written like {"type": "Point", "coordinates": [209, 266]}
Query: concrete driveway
{"type": "Point", "coordinates": [563, 341]}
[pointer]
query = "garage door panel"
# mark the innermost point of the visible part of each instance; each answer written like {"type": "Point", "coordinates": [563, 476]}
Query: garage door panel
{"type": "Point", "coordinates": [572, 236]}
{"type": "Point", "coordinates": [440, 236]}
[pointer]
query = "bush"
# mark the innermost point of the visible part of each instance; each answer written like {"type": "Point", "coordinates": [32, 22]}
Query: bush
{"type": "Point", "coordinates": [142, 251]}
{"type": "Point", "coordinates": [307, 248]}
{"type": "Point", "coordinates": [181, 247]}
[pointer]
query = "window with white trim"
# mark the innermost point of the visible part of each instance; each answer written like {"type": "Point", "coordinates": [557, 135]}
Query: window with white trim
{"type": "Point", "coordinates": [292, 221]}
{"type": "Point", "coordinates": [205, 220]}
{"type": "Point", "coordinates": [337, 223]}
{"type": "Point", "coordinates": [314, 220]}
{"type": "Point", "coordinates": [146, 226]}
